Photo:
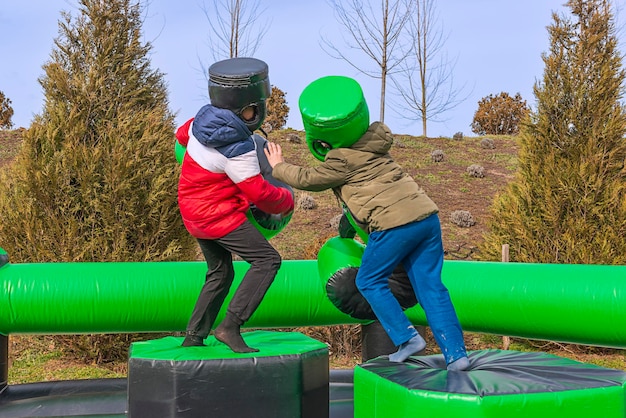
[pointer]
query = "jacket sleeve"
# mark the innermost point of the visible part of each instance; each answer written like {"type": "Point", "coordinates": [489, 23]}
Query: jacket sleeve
{"type": "Point", "coordinates": [182, 133]}
{"type": "Point", "coordinates": [266, 196]}
{"type": "Point", "coordinates": [332, 173]}
{"type": "Point", "coordinates": [244, 171]}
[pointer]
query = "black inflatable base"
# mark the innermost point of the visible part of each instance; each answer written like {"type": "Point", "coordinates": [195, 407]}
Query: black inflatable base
{"type": "Point", "coordinates": [99, 398]}
{"type": "Point", "coordinates": [287, 378]}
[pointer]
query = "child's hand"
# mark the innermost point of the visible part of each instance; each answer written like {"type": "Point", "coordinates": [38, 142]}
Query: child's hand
{"type": "Point", "coordinates": [274, 153]}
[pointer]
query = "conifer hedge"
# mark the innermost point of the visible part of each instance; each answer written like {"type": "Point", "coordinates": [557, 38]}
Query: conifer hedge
{"type": "Point", "coordinates": [568, 202]}
{"type": "Point", "coordinates": [96, 177]}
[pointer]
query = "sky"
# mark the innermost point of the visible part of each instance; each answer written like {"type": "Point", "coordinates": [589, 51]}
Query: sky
{"type": "Point", "coordinates": [497, 46]}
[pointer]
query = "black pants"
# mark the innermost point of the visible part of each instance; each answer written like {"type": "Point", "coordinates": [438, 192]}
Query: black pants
{"type": "Point", "coordinates": [249, 244]}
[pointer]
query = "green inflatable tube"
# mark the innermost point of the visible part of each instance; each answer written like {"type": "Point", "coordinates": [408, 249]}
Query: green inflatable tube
{"type": "Point", "coordinates": [74, 298]}
{"type": "Point", "coordinates": [584, 304]}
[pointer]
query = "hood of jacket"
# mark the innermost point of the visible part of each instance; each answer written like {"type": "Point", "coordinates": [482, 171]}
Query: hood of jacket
{"type": "Point", "coordinates": [377, 139]}
{"type": "Point", "coordinates": [221, 129]}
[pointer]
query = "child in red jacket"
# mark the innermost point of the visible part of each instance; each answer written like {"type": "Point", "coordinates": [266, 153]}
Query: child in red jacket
{"type": "Point", "coordinates": [220, 179]}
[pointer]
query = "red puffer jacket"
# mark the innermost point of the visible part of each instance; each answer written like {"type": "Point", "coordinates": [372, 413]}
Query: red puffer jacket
{"type": "Point", "coordinates": [221, 177]}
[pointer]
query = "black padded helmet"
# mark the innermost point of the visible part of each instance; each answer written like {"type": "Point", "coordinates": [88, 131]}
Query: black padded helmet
{"type": "Point", "coordinates": [237, 83]}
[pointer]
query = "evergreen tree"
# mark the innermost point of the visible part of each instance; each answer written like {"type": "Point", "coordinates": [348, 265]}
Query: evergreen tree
{"type": "Point", "coordinates": [96, 177]}
{"type": "Point", "coordinates": [568, 202]}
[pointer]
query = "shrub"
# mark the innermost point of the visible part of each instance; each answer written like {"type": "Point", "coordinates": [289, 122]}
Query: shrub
{"type": "Point", "coordinates": [462, 218]}
{"type": "Point", "coordinates": [398, 143]}
{"type": "Point", "coordinates": [335, 220]}
{"type": "Point", "coordinates": [499, 115]}
{"type": "Point", "coordinates": [277, 110]}
{"type": "Point", "coordinates": [437, 156]}
{"type": "Point", "coordinates": [307, 202]}
{"type": "Point", "coordinates": [6, 112]}
{"type": "Point", "coordinates": [293, 138]}
{"type": "Point", "coordinates": [487, 143]}
{"type": "Point", "coordinates": [476, 170]}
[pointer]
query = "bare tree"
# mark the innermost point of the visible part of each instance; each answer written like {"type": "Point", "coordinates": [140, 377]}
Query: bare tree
{"type": "Point", "coordinates": [431, 91]}
{"type": "Point", "coordinates": [234, 32]}
{"type": "Point", "coordinates": [376, 32]}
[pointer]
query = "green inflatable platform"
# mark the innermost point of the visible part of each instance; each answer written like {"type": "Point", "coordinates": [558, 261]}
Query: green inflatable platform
{"type": "Point", "coordinates": [498, 384]}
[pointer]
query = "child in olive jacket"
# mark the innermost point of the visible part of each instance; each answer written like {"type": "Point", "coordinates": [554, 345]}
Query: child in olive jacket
{"type": "Point", "coordinates": [401, 220]}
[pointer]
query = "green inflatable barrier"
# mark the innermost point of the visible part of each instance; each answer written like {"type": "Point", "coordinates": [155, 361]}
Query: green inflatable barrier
{"type": "Point", "coordinates": [583, 304]}
{"type": "Point", "coordinates": [69, 298]}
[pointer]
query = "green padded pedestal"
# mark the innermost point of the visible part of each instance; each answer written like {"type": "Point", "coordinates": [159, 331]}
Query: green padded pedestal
{"type": "Point", "coordinates": [287, 378]}
{"type": "Point", "coordinates": [498, 384]}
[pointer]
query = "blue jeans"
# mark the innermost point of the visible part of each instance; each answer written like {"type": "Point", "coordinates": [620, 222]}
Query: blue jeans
{"type": "Point", "coordinates": [419, 248]}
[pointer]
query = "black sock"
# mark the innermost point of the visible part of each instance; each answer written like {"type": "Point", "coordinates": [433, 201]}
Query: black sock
{"type": "Point", "coordinates": [228, 332]}
{"type": "Point", "coordinates": [192, 340]}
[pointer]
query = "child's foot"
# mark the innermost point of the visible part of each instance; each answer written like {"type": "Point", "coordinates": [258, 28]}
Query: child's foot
{"type": "Point", "coordinates": [407, 349]}
{"type": "Point", "coordinates": [233, 339]}
{"type": "Point", "coordinates": [193, 341]}
{"type": "Point", "coordinates": [459, 365]}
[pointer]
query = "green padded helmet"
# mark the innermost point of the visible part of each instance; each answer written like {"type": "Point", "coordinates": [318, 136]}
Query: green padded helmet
{"type": "Point", "coordinates": [334, 114]}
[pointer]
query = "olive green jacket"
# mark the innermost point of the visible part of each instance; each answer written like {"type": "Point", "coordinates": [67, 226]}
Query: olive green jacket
{"type": "Point", "coordinates": [378, 193]}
